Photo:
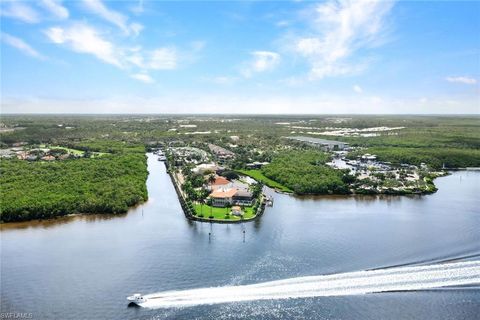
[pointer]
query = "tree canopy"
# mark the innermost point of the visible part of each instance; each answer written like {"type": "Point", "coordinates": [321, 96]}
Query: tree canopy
{"type": "Point", "coordinates": [305, 172]}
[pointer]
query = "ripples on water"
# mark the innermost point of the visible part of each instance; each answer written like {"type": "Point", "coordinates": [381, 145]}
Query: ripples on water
{"type": "Point", "coordinates": [83, 267]}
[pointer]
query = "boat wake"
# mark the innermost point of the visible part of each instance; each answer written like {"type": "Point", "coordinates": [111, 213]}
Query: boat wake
{"type": "Point", "coordinates": [350, 283]}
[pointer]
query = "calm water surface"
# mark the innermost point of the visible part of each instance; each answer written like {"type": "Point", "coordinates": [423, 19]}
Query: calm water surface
{"type": "Point", "coordinates": [84, 267]}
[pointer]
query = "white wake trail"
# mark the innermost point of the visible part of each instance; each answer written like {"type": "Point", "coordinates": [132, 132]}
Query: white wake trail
{"type": "Point", "coordinates": [350, 283]}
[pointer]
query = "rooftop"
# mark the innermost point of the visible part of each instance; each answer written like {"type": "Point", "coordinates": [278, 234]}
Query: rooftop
{"type": "Point", "coordinates": [315, 140]}
{"type": "Point", "coordinates": [220, 181]}
{"type": "Point", "coordinates": [223, 193]}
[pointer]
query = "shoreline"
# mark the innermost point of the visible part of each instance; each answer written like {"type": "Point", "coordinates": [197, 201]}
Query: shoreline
{"type": "Point", "coordinates": [190, 216]}
{"type": "Point", "coordinates": [108, 216]}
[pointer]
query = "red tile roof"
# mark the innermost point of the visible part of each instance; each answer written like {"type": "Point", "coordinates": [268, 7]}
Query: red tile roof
{"type": "Point", "coordinates": [222, 193]}
{"type": "Point", "coordinates": [220, 181]}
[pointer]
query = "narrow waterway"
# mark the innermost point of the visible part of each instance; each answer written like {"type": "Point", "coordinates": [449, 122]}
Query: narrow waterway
{"type": "Point", "coordinates": [83, 267]}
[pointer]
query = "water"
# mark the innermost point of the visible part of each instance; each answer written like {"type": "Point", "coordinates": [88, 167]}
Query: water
{"type": "Point", "coordinates": [84, 267]}
{"type": "Point", "coordinates": [349, 283]}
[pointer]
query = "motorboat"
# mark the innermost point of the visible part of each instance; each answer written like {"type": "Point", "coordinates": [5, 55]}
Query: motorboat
{"type": "Point", "coordinates": [162, 158]}
{"type": "Point", "coordinates": [137, 299]}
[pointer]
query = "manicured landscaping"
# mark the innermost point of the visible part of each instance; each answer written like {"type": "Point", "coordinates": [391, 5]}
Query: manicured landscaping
{"type": "Point", "coordinates": [258, 175]}
{"type": "Point", "coordinates": [220, 213]}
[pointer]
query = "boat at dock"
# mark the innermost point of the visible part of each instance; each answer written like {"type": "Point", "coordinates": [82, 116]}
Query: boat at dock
{"type": "Point", "coordinates": [269, 201]}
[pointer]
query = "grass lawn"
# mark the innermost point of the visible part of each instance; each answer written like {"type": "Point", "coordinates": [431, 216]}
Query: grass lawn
{"type": "Point", "coordinates": [219, 213]}
{"type": "Point", "coordinates": [258, 175]}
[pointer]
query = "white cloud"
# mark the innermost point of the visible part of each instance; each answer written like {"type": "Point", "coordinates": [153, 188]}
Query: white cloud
{"type": "Point", "coordinates": [136, 28]}
{"type": "Point", "coordinates": [56, 8]}
{"type": "Point", "coordinates": [21, 45]}
{"type": "Point", "coordinates": [142, 77]}
{"type": "Point", "coordinates": [180, 102]}
{"type": "Point", "coordinates": [357, 89]}
{"type": "Point", "coordinates": [112, 16]}
{"type": "Point", "coordinates": [261, 61]}
{"type": "Point", "coordinates": [338, 30]}
{"type": "Point", "coordinates": [464, 80]}
{"type": "Point", "coordinates": [282, 23]}
{"type": "Point", "coordinates": [162, 59]}
{"type": "Point", "coordinates": [21, 11]}
{"type": "Point", "coordinates": [83, 38]}
{"type": "Point", "coordinates": [265, 60]}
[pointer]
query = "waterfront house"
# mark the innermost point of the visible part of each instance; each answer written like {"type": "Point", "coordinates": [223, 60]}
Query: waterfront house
{"type": "Point", "coordinates": [222, 197]}
{"type": "Point", "coordinates": [220, 182]}
{"type": "Point", "coordinates": [243, 197]}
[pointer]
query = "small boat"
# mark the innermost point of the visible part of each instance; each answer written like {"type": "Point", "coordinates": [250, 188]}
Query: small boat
{"type": "Point", "coordinates": [162, 158]}
{"type": "Point", "coordinates": [137, 299]}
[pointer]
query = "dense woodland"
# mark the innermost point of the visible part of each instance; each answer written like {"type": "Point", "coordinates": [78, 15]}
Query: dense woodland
{"type": "Point", "coordinates": [436, 158]}
{"type": "Point", "coordinates": [38, 190]}
{"type": "Point", "coordinates": [305, 172]}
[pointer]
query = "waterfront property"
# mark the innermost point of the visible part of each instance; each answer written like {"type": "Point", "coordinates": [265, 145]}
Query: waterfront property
{"type": "Point", "coordinates": [224, 214]}
{"type": "Point", "coordinates": [220, 182]}
{"type": "Point", "coordinates": [222, 197]}
{"type": "Point", "coordinates": [227, 193]}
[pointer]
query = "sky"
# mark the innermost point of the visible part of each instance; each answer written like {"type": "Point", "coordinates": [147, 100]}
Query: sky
{"type": "Point", "coordinates": [269, 57]}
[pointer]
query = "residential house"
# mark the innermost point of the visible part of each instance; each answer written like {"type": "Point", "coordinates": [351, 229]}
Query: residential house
{"type": "Point", "coordinates": [233, 193]}
{"type": "Point", "coordinates": [220, 182]}
{"type": "Point", "coordinates": [222, 197]}
{"type": "Point", "coordinates": [204, 167]}
{"type": "Point", "coordinates": [243, 197]}
{"type": "Point", "coordinates": [220, 153]}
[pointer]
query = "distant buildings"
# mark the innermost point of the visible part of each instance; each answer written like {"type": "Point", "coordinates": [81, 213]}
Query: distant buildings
{"type": "Point", "coordinates": [220, 153]}
{"type": "Point", "coordinates": [368, 157]}
{"type": "Point", "coordinates": [256, 165]}
{"type": "Point", "coordinates": [205, 167]}
{"type": "Point", "coordinates": [48, 158]}
{"type": "Point", "coordinates": [326, 145]}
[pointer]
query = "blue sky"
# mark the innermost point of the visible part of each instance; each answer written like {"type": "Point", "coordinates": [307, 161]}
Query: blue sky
{"type": "Point", "coordinates": [94, 56]}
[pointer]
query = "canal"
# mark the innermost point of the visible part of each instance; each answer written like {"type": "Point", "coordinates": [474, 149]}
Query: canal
{"type": "Point", "coordinates": [84, 267]}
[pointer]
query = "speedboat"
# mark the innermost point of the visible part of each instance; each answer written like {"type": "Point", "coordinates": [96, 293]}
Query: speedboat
{"type": "Point", "coordinates": [137, 299]}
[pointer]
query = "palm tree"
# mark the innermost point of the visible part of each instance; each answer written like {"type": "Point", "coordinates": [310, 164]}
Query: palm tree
{"type": "Point", "coordinates": [210, 203]}
{"type": "Point", "coordinates": [211, 178]}
{"type": "Point", "coordinates": [202, 202]}
{"type": "Point", "coordinates": [228, 206]}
